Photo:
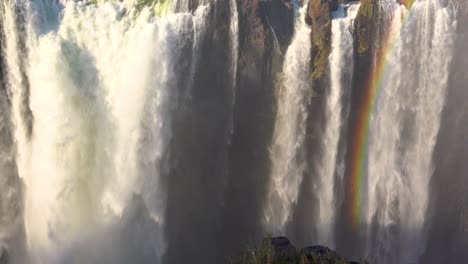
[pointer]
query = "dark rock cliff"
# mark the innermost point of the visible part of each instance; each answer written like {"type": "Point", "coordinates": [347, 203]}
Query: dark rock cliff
{"type": "Point", "coordinates": [220, 189]}
{"type": "Point", "coordinates": [367, 28]}
{"type": "Point", "coordinates": [260, 22]}
{"type": "Point", "coordinates": [448, 227]}
{"type": "Point", "coordinates": [240, 150]}
{"type": "Point", "coordinates": [319, 18]}
{"type": "Point", "coordinates": [365, 34]}
{"type": "Point", "coordinates": [201, 125]}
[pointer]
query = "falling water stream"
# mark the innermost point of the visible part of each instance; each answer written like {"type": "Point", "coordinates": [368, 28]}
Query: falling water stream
{"type": "Point", "coordinates": [404, 128]}
{"type": "Point", "coordinates": [92, 93]}
{"type": "Point", "coordinates": [341, 71]}
{"type": "Point", "coordinates": [287, 150]}
{"type": "Point", "coordinates": [99, 93]}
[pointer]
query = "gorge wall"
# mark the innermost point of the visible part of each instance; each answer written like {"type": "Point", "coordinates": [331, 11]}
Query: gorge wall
{"type": "Point", "coordinates": [180, 131]}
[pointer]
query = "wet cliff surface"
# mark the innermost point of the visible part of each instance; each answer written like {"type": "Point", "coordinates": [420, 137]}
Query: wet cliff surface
{"type": "Point", "coordinates": [206, 139]}
{"type": "Point", "coordinates": [448, 229]}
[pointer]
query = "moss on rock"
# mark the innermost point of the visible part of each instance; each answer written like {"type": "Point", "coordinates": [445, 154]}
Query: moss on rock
{"type": "Point", "coordinates": [319, 18]}
{"type": "Point", "coordinates": [160, 7]}
{"type": "Point", "coordinates": [364, 25]}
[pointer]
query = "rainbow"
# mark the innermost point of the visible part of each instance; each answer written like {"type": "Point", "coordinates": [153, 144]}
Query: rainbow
{"type": "Point", "coordinates": [358, 156]}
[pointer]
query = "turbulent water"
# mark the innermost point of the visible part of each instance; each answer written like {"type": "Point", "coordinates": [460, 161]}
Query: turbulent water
{"type": "Point", "coordinates": [400, 155]}
{"type": "Point", "coordinates": [172, 132]}
{"type": "Point", "coordinates": [341, 71]}
{"type": "Point", "coordinates": [287, 150]}
{"type": "Point", "coordinates": [91, 97]}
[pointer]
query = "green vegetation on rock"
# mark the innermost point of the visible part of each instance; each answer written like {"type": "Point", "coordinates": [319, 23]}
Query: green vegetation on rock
{"type": "Point", "coordinates": [263, 253]}
{"type": "Point", "coordinates": [159, 7]}
{"type": "Point", "coordinates": [319, 18]}
{"type": "Point", "coordinates": [366, 9]}
{"type": "Point", "coordinates": [320, 62]}
{"type": "Point", "coordinates": [279, 250]}
{"type": "Point", "coordinates": [364, 25]}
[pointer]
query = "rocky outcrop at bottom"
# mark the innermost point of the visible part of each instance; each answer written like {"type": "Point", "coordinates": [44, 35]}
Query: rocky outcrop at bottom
{"type": "Point", "coordinates": [279, 250]}
{"type": "Point", "coordinates": [3, 255]}
{"type": "Point", "coordinates": [323, 255]}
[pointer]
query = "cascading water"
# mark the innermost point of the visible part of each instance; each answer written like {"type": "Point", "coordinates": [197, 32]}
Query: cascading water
{"type": "Point", "coordinates": [341, 71]}
{"type": "Point", "coordinates": [404, 128]}
{"type": "Point", "coordinates": [234, 36]}
{"type": "Point", "coordinates": [10, 185]}
{"type": "Point", "coordinates": [101, 78]}
{"type": "Point", "coordinates": [111, 109]}
{"type": "Point", "coordinates": [287, 150]}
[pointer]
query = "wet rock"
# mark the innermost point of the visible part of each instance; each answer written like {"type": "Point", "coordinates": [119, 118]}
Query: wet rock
{"type": "Point", "coordinates": [263, 23]}
{"type": "Point", "coordinates": [365, 31]}
{"type": "Point", "coordinates": [3, 255]}
{"type": "Point", "coordinates": [260, 62]}
{"type": "Point", "coordinates": [279, 18]}
{"type": "Point", "coordinates": [365, 23]}
{"type": "Point", "coordinates": [319, 18]}
{"type": "Point", "coordinates": [284, 249]}
{"type": "Point", "coordinates": [323, 255]}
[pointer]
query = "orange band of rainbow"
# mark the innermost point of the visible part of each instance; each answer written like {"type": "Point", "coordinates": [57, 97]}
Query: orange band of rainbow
{"type": "Point", "coordinates": [357, 163]}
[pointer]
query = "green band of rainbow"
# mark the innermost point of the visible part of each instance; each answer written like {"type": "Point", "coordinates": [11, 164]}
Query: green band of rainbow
{"type": "Point", "coordinates": [357, 163]}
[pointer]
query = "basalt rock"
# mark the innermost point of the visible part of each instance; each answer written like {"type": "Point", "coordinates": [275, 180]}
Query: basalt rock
{"type": "Point", "coordinates": [279, 18]}
{"type": "Point", "coordinates": [319, 18]}
{"type": "Point", "coordinates": [322, 255]}
{"type": "Point", "coordinates": [200, 124]}
{"type": "Point", "coordinates": [262, 23]}
{"type": "Point", "coordinates": [284, 249]}
{"type": "Point", "coordinates": [365, 32]}
{"type": "Point", "coordinates": [3, 255]}
{"type": "Point", "coordinates": [365, 26]}
{"type": "Point", "coordinates": [265, 32]}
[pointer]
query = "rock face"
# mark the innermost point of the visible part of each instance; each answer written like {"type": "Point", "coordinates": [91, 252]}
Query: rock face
{"type": "Point", "coordinates": [365, 26]}
{"type": "Point", "coordinates": [365, 32]}
{"type": "Point", "coordinates": [3, 255]}
{"type": "Point", "coordinates": [200, 126]}
{"type": "Point", "coordinates": [323, 255]}
{"type": "Point", "coordinates": [448, 231]}
{"type": "Point", "coordinates": [284, 249]}
{"type": "Point", "coordinates": [279, 18]}
{"type": "Point", "coordinates": [319, 18]}
{"type": "Point", "coordinates": [265, 32]}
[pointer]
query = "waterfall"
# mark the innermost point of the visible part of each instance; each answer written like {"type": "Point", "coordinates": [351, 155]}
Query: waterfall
{"type": "Point", "coordinates": [404, 128]}
{"type": "Point", "coordinates": [234, 37]}
{"type": "Point", "coordinates": [159, 131]}
{"type": "Point", "coordinates": [287, 150]}
{"type": "Point", "coordinates": [103, 81]}
{"type": "Point", "coordinates": [341, 70]}
{"type": "Point", "coordinates": [10, 185]}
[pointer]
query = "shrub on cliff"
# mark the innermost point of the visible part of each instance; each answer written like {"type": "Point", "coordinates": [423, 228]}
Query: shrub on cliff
{"type": "Point", "coordinates": [279, 250]}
